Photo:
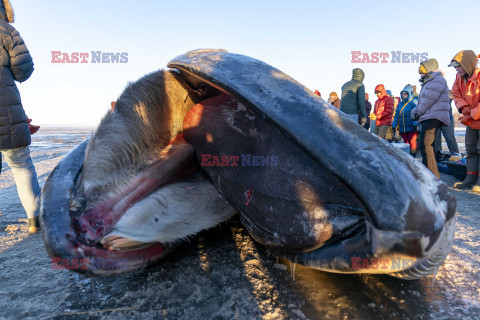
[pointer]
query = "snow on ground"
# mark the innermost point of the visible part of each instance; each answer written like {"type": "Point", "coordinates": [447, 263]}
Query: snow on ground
{"type": "Point", "coordinates": [222, 273]}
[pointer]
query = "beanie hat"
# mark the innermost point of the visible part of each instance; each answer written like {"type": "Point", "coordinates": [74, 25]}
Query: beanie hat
{"type": "Point", "coordinates": [428, 66]}
{"type": "Point", "coordinates": [467, 59]}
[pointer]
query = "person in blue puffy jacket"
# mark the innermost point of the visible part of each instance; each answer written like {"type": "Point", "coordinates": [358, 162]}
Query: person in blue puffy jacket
{"type": "Point", "coordinates": [402, 120]}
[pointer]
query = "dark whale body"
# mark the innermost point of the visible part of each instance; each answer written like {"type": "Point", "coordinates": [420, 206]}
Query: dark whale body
{"type": "Point", "coordinates": [321, 191]}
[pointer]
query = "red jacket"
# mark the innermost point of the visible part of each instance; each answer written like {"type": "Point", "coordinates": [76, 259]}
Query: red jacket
{"type": "Point", "coordinates": [383, 107]}
{"type": "Point", "coordinates": [467, 93]}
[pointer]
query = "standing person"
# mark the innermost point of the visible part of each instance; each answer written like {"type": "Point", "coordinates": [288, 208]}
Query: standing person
{"type": "Point", "coordinates": [368, 110]}
{"type": "Point", "coordinates": [383, 111]}
{"type": "Point", "coordinates": [392, 133]}
{"type": "Point", "coordinates": [353, 97]}
{"type": "Point", "coordinates": [415, 93]}
{"type": "Point", "coordinates": [16, 64]}
{"type": "Point", "coordinates": [402, 120]}
{"type": "Point", "coordinates": [334, 100]}
{"type": "Point", "coordinates": [449, 134]}
{"type": "Point", "coordinates": [466, 94]}
{"type": "Point", "coordinates": [432, 111]}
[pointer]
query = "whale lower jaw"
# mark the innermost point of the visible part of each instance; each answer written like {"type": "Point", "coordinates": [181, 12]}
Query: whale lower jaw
{"type": "Point", "coordinates": [403, 266]}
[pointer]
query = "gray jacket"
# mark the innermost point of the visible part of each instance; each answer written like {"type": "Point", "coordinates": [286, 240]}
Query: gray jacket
{"type": "Point", "coordinates": [15, 64]}
{"type": "Point", "coordinates": [433, 101]}
{"type": "Point", "coordinates": [353, 95]}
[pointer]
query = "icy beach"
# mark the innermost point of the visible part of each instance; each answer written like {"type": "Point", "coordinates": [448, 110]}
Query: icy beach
{"type": "Point", "coordinates": [222, 273]}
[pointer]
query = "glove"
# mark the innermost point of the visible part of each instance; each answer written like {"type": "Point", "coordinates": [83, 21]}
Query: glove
{"type": "Point", "coordinates": [33, 128]}
{"type": "Point", "coordinates": [466, 120]}
{"type": "Point", "coordinates": [414, 116]}
{"type": "Point", "coordinates": [373, 116]}
{"type": "Point", "coordinates": [363, 121]}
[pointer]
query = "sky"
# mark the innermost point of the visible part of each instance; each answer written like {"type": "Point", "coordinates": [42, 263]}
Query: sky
{"type": "Point", "coordinates": [312, 41]}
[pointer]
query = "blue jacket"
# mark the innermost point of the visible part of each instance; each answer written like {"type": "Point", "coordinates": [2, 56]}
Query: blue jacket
{"type": "Point", "coordinates": [402, 114]}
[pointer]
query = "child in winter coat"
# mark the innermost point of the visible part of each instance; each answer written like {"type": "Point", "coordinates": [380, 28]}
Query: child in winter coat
{"type": "Point", "coordinates": [402, 120]}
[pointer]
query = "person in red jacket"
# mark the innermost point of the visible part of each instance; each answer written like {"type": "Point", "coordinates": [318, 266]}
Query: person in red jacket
{"type": "Point", "coordinates": [383, 111]}
{"type": "Point", "coordinates": [334, 100]}
{"type": "Point", "coordinates": [466, 94]}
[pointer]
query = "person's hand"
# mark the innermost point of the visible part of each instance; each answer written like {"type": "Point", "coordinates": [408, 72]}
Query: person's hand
{"type": "Point", "coordinates": [33, 128]}
{"type": "Point", "coordinates": [466, 110]}
{"type": "Point", "coordinates": [363, 121]}
{"type": "Point", "coordinates": [414, 115]}
{"type": "Point", "coordinates": [373, 117]}
{"type": "Point", "coordinates": [466, 120]}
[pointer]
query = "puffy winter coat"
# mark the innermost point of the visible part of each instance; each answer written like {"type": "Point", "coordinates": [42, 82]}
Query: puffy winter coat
{"type": "Point", "coordinates": [402, 115]}
{"type": "Point", "coordinates": [353, 94]}
{"type": "Point", "coordinates": [15, 64]}
{"type": "Point", "coordinates": [368, 110]}
{"type": "Point", "coordinates": [467, 93]}
{"type": "Point", "coordinates": [433, 102]}
{"type": "Point", "coordinates": [383, 107]}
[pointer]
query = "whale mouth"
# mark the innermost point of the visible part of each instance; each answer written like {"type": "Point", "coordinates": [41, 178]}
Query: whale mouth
{"type": "Point", "coordinates": [389, 204]}
{"type": "Point", "coordinates": [175, 164]}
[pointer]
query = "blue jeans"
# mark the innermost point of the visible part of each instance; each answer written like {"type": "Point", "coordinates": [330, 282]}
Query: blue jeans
{"type": "Point", "coordinates": [21, 163]}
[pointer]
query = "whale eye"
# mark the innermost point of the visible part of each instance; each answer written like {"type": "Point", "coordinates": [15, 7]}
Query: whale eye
{"type": "Point", "coordinates": [156, 219]}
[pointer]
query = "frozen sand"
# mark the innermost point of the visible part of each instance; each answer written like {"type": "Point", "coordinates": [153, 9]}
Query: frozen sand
{"type": "Point", "coordinates": [222, 273]}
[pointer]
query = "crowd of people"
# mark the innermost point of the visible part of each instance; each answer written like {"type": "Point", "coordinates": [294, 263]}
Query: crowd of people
{"type": "Point", "coordinates": [420, 119]}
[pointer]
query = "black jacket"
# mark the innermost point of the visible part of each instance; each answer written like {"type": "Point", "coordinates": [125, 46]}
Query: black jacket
{"type": "Point", "coordinates": [353, 94]}
{"type": "Point", "coordinates": [15, 64]}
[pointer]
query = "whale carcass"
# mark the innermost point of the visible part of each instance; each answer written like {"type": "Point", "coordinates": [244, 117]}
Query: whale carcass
{"type": "Point", "coordinates": [218, 133]}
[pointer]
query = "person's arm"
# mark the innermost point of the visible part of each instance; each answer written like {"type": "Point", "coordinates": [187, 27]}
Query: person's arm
{"type": "Point", "coordinates": [21, 63]}
{"type": "Point", "coordinates": [389, 107]}
{"type": "Point", "coordinates": [381, 109]}
{"type": "Point", "coordinates": [395, 118]}
{"type": "Point", "coordinates": [361, 101]}
{"type": "Point", "coordinates": [431, 96]}
{"type": "Point", "coordinates": [460, 102]}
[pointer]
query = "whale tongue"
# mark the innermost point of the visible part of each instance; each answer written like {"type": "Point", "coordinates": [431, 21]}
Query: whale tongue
{"type": "Point", "coordinates": [175, 163]}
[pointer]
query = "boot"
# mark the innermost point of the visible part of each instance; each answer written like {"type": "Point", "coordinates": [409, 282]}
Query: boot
{"type": "Point", "coordinates": [33, 225]}
{"type": "Point", "coordinates": [472, 175]}
{"type": "Point", "coordinates": [476, 188]}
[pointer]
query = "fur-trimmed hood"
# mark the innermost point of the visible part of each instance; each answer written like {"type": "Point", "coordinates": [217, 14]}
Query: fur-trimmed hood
{"type": "Point", "coordinates": [6, 11]}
